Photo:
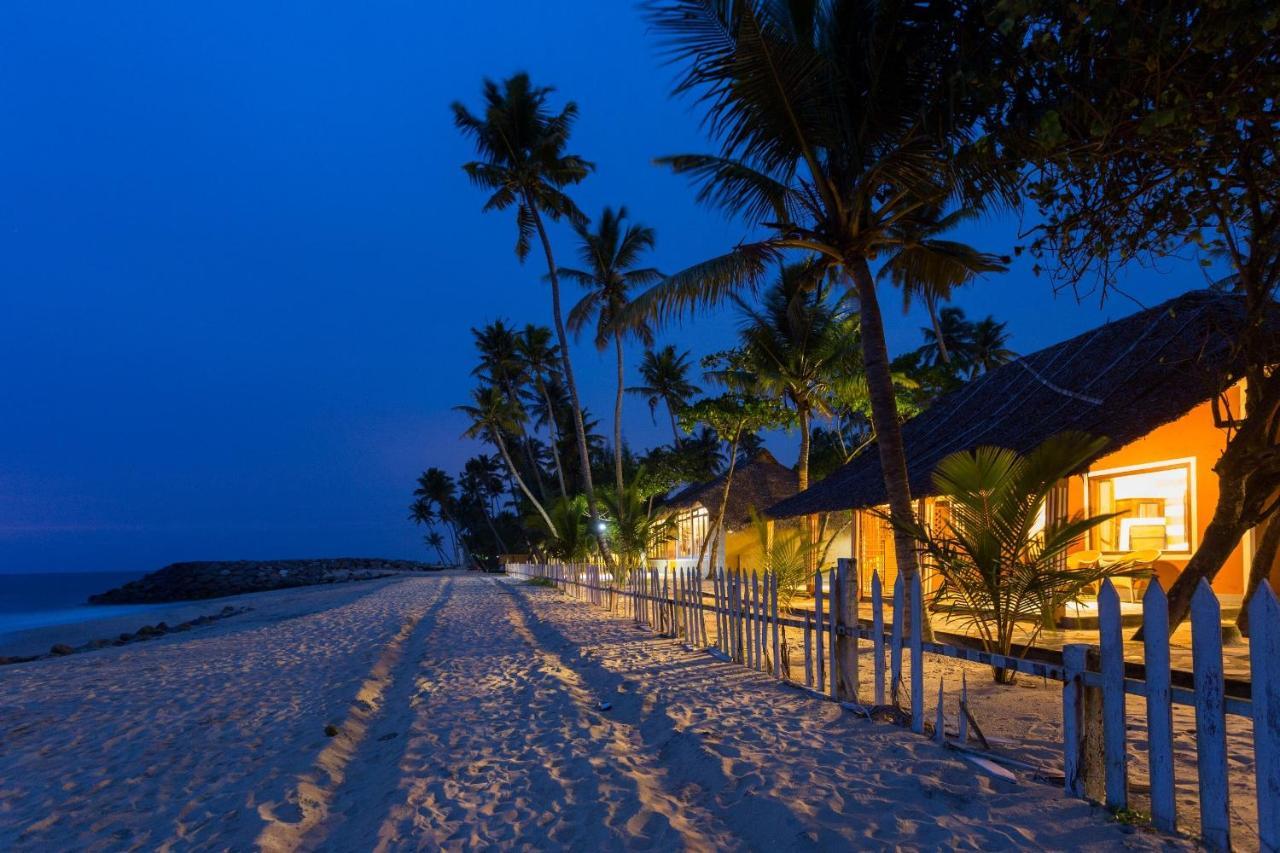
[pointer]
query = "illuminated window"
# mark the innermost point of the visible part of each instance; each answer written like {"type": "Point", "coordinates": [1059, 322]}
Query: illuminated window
{"type": "Point", "coordinates": [1154, 506]}
{"type": "Point", "coordinates": [691, 530]}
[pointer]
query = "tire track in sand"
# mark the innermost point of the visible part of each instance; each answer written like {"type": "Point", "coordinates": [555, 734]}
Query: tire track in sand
{"type": "Point", "coordinates": [383, 702]}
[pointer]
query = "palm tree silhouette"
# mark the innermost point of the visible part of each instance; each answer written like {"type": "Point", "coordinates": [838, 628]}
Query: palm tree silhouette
{"type": "Point", "coordinates": [493, 417]}
{"type": "Point", "coordinates": [609, 255]}
{"type": "Point", "coordinates": [539, 357]}
{"type": "Point", "coordinates": [521, 145]}
{"type": "Point", "coordinates": [987, 345]}
{"type": "Point", "coordinates": [841, 133]}
{"type": "Point", "coordinates": [501, 365]}
{"type": "Point", "coordinates": [665, 374]}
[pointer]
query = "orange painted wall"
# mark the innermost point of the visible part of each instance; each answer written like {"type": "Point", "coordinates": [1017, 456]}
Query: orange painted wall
{"type": "Point", "coordinates": [1193, 435]}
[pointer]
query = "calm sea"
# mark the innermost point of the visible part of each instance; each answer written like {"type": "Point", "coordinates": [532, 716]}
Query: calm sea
{"type": "Point", "coordinates": [36, 601]}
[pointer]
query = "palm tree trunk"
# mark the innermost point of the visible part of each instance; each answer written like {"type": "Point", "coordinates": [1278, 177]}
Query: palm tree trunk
{"type": "Point", "coordinates": [617, 417]}
{"type": "Point", "coordinates": [554, 430]}
{"type": "Point", "coordinates": [884, 419]}
{"type": "Point", "coordinates": [931, 303]}
{"type": "Point", "coordinates": [502, 448]}
{"type": "Point", "coordinates": [675, 432]}
{"type": "Point", "coordinates": [714, 532]}
{"type": "Point", "coordinates": [1264, 559]}
{"type": "Point", "coordinates": [802, 478]}
{"type": "Point", "coordinates": [497, 537]}
{"type": "Point", "coordinates": [584, 457]}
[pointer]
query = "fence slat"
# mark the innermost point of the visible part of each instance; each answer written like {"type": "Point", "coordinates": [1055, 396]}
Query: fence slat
{"type": "Point", "coordinates": [895, 641]}
{"type": "Point", "coordinates": [777, 641]}
{"type": "Point", "coordinates": [877, 635]}
{"type": "Point", "coordinates": [963, 720]}
{"type": "Point", "coordinates": [1111, 648]}
{"type": "Point", "coordinates": [1211, 735]}
{"type": "Point", "coordinates": [940, 720]}
{"type": "Point", "coordinates": [848, 598]}
{"type": "Point", "coordinates": [1264, 656]}
{"type": "Point", "coordinates": [833, 617]}
{"type": "Point", "coordinates": [917, 656]}
{"type": "Point", "coordinates": [808, 650]}
{"type": "Point", "coordinates": [819, 657]}
{"type": "Point", "coordinates": [1155, 622]}
{"type": "Point", "coordinates": [1075, 660]}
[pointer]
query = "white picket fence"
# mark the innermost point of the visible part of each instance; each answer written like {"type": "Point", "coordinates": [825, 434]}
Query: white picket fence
{"type": "Point", "coordinates": [748, 625]}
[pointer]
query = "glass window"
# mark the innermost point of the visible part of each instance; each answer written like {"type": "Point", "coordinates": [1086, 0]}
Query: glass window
{"type": "Point", "coordinates": [1154, 506]}
{"type": "Point", "coordinates": [691, 530]}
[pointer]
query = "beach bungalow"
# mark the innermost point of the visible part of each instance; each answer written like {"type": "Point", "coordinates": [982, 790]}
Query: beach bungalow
{"type": "Point", "coordinates": [1147, 382]}
{"type": "Point", "coordinates": [758, 483]}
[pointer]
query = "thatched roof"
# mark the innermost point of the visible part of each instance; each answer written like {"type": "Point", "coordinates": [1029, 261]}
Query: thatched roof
{"type": "Point", "coordinates": [757, 484]}
{"type": "Point", "coordinates": [1121, 380]}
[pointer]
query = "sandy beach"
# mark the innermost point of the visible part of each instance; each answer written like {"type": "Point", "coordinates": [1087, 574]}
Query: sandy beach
{"type": "Point", "coordinates": [470, 712]}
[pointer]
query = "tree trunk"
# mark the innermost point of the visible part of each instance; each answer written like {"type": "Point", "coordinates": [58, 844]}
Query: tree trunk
{"type": "Point", "coordinates": [617, 417]}
{"type": "Point", "coordinates": [1264, 560]}
{"type": "Point", "coordinates": [884, 419]}
{"type": "Point", "coordinates": [497, 537]}
{"type": "Point", "coordinates": [802, 478]}
{"type": "Point", "coordinates": [554, 429]}
{"type": "Point", "coordinates": [713, 533]}
{"type": "Point", "coordinates": [502, 448]}
{"type": "Point", "coordinates": [932, 305]}
{"type": "Point", "coordinates": [671, 412]}
{"type": "Point", "coordinates": [584, 457]}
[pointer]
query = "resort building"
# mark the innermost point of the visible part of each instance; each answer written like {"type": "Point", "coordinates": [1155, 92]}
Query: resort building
{"type": "Point", "coordinates": [1153, 383]}
{"type": "Point", "coordinates": [757, 484]}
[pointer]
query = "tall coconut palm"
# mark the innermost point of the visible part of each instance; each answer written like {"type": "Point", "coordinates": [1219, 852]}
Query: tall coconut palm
{"type": "Point", "coordinates": [666, 380]}
{"type": "Point", "coordinates": [988, 346]}
{"type": "Point", "coordinates": [843, 131]}
{"type": "Point", "coordinates": [609, 256]}
{"type": "Point", "coordinates": [948, 341]}
{"type": "Point", "coordinates": [482, 480]}
{"type": "Point", "coordinates": [492, 418]}
{"type": "Point", "coordinates": [521, 144]}
{"type": "Point", "coordinates": [540, 358]}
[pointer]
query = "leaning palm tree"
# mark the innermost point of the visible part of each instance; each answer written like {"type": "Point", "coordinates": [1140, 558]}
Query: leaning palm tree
{"type": "Point", "coordinates": [437, 492]}
{"type": "Point", "coordinates": [500, 365]}
{"type": "Point", "coordinates": [666, 380]}
{"type": "Point", "coordinates": [842, 132]}
{"type": "Point", "coordinates": [436, 541]}
{"type": "Point", "coordinates": [539, 358]}
{"type": "Point", "coordinates": [948, 341]}
{"type": "Point", "coordinates": [610, 254]}
{"type": "Point", "coordinates": [492, 418]}
{"type": "Point", "coordinates": [521, 144]}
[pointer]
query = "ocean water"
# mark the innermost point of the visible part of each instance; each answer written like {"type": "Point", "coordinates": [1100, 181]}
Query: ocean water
{"type": "Point", "coordinates": [56, 598]}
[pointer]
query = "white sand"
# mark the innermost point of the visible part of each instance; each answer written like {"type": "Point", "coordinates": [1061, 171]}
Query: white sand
{"type": "Point", "coordinates": [468, 710]}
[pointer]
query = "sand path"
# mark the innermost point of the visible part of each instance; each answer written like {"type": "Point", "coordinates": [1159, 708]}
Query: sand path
{"type": "Point", "coordinates": [470, 715]}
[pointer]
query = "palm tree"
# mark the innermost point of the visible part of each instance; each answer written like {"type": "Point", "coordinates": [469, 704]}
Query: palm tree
{"type": "Point", "coordinates": [609, 255]}
{"type": "Point", "coordinates": [481, 478]}
{"type": "Point", "coordinates": [997, 568]}
{"type": "Point", "coordinates": [539, 357]}
{"type": "Point", "coordinates": [665, 373]}
{"type": "Point", "coordinates": [436, 541]}
{"type": "Point", "coordinates": [437, 492]}
{"type": "Point", "coordinates": [843, 133]}
{"type": "Point", "coordinates": [521, 145]}
{"type": "Point", "coordinates": [493, 416]}
{"type": "Point", "coordinates": [501, 365]}
{"type": "Point", "coordinates": [987, 349]}
{"type": "Point", "coordinates": [949, 341]}
{"type": "Point", "coordinates": [928, 268]}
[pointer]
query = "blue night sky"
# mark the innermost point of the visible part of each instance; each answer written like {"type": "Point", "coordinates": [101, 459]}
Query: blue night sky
{"type": "Point", "coordinates": [239, 262]}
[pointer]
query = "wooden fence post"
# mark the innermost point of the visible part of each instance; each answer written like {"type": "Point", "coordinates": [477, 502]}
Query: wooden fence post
{"type": "Point", "coordinates": [1211, 734]}
{"type": "Point", "coordinates": [877, 636]}
{"type": "Point", "coordinates": [1074, 657]}
{"type": "Point", "coordinates": [1264, 657]}
{"type": "Point", "coordinates": [833, 617]}
{"type": "Point", "coordinates": [895, 642]}
{"type": "Point", "coordinates": [777, 644]}
{"type": "Point", "coordinates": [1155, 627]}
{"type": "Point", "coordinates": [818, 629]}
{"type": "Point", "coordinates": [1111, 647]}
{"type": "Point", "coordinates": [848, 598]}
{"type": "Point", "coordinates": [917, 657]}
{"type": "Point", "coordinates": [808, 650]}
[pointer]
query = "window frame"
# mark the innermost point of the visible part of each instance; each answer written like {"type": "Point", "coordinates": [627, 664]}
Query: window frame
{"type": "Point", "coordinates": [1192, 520]}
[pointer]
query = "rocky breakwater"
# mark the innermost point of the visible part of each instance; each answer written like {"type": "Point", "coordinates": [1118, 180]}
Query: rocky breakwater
{"type": "Point", "coordinates": [190, 581]}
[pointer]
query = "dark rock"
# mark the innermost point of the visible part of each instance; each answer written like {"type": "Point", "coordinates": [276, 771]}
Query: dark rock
{"type": "Point", "coordinates": [192, 581]}
{"type": "Point", "coordinates": [61, 649]}
{"type": "Point", "coordinates": [124, 638]}
{"type": "Point", "coordinates": [331, 730]}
